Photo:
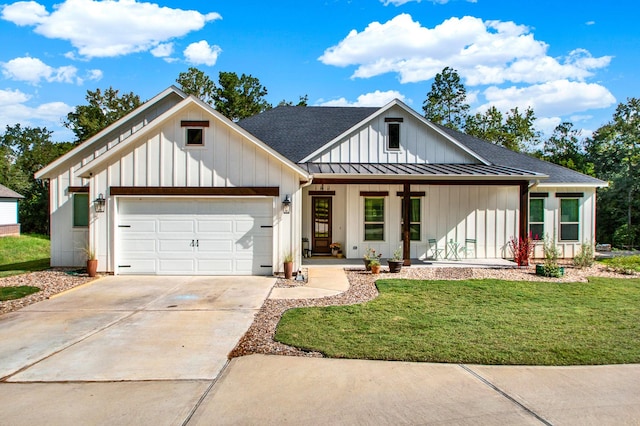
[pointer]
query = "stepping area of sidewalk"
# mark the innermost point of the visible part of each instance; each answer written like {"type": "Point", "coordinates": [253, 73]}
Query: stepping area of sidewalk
{"type": "Point", "coordinates": [321, 282]}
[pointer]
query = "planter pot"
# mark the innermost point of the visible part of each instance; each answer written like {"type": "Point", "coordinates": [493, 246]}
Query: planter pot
{"type": "Point", "coordinates": [92, 267]}
{"type": "Point", "coordinates": [340, 255]}
{"type": "Point", "coordinates": [395, 266]}
{"type": "Point", "coordinates": [375, 269]}
{"type": "Point", "coordinates": [540, 271]}
{"type": "Point", "coordinates": [367, 264]}
{"type": "Point", "coordinates": [334, 252]}
{"type": "Point", "coordinates": [288, 270]}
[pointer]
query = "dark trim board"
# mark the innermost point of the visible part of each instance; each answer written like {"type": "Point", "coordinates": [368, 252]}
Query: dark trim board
{"type": "Point", "coordinates": [326, 193]}
{"type": "Point", "coordinates": [194, 123]}
{"type": "Point", "coordinates": [412, 194]}
{"type": "Point", "coordinates": [374, 193]}
{"type": "Point", "coordinates": [242, 191]}
{"type": "Point", "coordinates": [569, 194]}
{"type": "Point", "coordinates": [78, 189]}
{"type": "Point", "coordinates": [539, 195]}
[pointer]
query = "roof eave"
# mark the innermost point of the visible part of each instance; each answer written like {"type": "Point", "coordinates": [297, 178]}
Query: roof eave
{"type": "Point", "coordinates": [422, 177]}
{"type": "Point", "coordinates": [46, 170]}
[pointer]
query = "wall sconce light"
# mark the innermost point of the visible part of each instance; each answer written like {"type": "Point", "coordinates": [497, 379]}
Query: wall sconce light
{"type": "Point", "coordinates": [286, 205]}
{"type": "Point", "coordinates": [99, 203]}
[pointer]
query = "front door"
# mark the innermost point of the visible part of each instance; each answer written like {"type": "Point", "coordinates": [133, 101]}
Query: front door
{"type": "Point", "coordinates": [321, 210]}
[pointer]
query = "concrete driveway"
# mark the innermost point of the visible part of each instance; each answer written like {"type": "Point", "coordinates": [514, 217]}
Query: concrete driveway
{"type": "Point", "coordinates": [123, 350]}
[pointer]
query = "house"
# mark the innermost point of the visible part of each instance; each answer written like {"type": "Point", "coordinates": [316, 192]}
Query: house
{"type": "Point", "coordinates": [176, 188]}
{"type": "Point", "coordinates": [9, 224]}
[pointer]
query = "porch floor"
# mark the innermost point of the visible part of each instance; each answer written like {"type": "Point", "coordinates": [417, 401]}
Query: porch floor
{"type": "Point", "coordinates": [319, 260]}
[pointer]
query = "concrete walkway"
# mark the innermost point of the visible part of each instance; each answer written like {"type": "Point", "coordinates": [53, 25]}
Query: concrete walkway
{"type": "Point", "coordinates": [276, 390]}
{"type": "Point", "coordinates": [322, 281]}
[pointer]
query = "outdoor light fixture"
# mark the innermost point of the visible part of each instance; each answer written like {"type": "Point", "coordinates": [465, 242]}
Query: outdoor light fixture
{"type": "Point", "coordinates": [99, 203]}
{"type": "Point", "coordinates": [286, 205]}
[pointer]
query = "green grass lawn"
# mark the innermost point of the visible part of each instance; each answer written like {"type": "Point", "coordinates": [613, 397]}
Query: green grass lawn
{"type": "Point", "coordinates": [479, 321]}
{"type": "Point", "coordinates": [623, 264]}
{"type": "Point", "coordinates": [16, 292]}
{"type": "Point", "coordinates": [25, 253]}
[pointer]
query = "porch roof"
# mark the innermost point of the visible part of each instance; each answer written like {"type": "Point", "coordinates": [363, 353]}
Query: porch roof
{"type": "Point", "coordinates": [428, 171]}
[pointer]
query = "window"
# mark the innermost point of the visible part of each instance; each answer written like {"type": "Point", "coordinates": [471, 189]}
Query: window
{"type": "Point", "coordinates": [393, 141]}
{"type": "Point", "coordinates": [374, 219]}
{"type": "Point", "coordinates": [414, 220]}
{"type": "Point", "coordinates": [81, 209]}
{"type": "Point", "coordinates": [569, 219]}
{"type": "Point", "coordinates": [194, 136]}
{"type": "Point", "coordinates": [536, 218]}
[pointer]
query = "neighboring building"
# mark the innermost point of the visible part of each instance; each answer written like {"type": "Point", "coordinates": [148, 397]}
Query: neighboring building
{"type": "Point", "coordinates": [9, 224]}
{"type": "Point", "coordinates": [187, 191]}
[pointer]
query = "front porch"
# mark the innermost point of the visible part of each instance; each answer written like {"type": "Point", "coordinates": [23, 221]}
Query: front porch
{"type": "Point", "coordinates": [415, 263]}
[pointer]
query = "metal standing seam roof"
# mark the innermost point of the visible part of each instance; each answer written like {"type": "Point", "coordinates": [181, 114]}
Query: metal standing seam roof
{"type": "Point", "coordinates": [297, 132]}
{"type": "Point", "coordinates": [424, 170]}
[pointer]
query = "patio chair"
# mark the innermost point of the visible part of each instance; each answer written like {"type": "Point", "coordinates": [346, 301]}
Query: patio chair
{"type": "Point", "coordinates": [436, 253]}
{"type": "Point", "coordinates": [467, 247]}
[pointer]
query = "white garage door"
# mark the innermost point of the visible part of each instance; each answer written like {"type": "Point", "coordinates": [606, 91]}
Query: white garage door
{"type": "Point", "coordinates": [195, 237]}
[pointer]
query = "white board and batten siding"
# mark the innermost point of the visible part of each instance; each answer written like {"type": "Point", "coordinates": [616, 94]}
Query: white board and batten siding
{"type": "Point", "coordinates": [418, 144]}
{"type": "Point", "coordinates": [488, 214]}
{"type": "Point", "coordinates": [587, 218]}
{"type": "Point", "coordinates": [160, 158]}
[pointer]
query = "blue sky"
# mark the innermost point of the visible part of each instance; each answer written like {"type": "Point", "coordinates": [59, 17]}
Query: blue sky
{"type": "Point", "coordinates": [568, 60]}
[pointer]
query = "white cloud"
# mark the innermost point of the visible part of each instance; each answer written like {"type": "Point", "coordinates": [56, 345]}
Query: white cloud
{"type": "Point", "coordinates": [483, 52]}
{"type": "Point", "coordinates": [554, 98]}
{"type": "Point", "coordinates": [108, 28]}
{"type": "Point", "coordinates": [374, 99]}
{"type": "Point", "coordinates": [162, 50]}
{"type": "Point", "coordinates": [202, 53]}
{"type": "Point", "coordinates": [14, 109]}
{"type": "Point", "coordinates": [34, 71]}
{"type": "Point", "coordinates": [590, 23]}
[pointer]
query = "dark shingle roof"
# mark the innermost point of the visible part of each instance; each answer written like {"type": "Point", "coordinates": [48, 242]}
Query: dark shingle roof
{"type": "Point", "coordinates": [296, 131]}
{"type": "Point", "coordinates": [8, 193]}
{"type": "Point", "coordinates": [505, 157]}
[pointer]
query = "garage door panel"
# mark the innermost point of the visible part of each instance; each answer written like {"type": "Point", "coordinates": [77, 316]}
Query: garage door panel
{"type": "Point", "coordinates": [228, 236]}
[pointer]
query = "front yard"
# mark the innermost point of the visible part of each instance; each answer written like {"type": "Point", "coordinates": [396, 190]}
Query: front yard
{"type": "Point", "coordinates": [486, 321]}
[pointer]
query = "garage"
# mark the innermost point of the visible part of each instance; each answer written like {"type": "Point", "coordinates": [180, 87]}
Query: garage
{"type": "Point", "coordinates": [183, 236]}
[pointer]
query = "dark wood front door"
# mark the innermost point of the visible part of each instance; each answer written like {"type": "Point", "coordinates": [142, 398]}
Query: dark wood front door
{"type": "Point", "coordinates": [321, 220]}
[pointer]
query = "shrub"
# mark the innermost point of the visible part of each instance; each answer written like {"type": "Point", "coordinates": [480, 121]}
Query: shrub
{"type": "Point", "coordinates": [584, 258]}
{"type": "Point", "coordinates": [551, 267]}
{"type": "Point", "coordinates": [624, 264]}
{"type": "Point", "coordinates": [522, 249]}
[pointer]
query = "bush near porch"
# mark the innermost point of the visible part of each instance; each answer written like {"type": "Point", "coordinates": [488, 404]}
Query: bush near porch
{"type": "Point", "coordinates": [478, 321]}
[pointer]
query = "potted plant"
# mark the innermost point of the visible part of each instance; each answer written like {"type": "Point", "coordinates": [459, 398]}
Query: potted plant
{"type": "Point", "coordinates": [335, 248]}
{"type": "Point", "coordinates": [395, 262]}
{"type": "Point", "coordinates": [288, 266]}
{"type": "Point", "coordinates": [374, 264]}
{"type": "Point", "coordinates": [92, 261]}
{"type": "Point", "coordinates": [369, 255]}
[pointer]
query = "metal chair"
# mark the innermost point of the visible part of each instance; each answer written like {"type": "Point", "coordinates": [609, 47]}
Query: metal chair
{"type": "Point", "coordinates": [467, 247]}
{"type": "Point", "coordinates": [436, 253]}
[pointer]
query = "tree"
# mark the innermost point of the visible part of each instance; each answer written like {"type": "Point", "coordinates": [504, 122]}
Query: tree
{"type": "Point", "coordinates": [234, 97]}
{"type": "Point", "coordinates": [195, 82]}
{"type": "Point", "coordinates": [102, 110]}
{"type": "Point", "coordinates": [446, 102]}
{"type": "Point", "coordinates": [303, 101]}
{"type": "Point", "coordinates": [30, 149]}
{"type": "Point", "coordinates": [240, 97]}
{"type": "Point", "coordinates": [515, 131]}
{"type": "Point", "coordinates": [614, 150]}
{"type": "Point", "coordinates": [565, 147]}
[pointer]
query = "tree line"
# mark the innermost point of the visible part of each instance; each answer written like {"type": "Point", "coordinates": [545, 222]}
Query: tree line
{"type": "Point", "coordinates": [611, 153]}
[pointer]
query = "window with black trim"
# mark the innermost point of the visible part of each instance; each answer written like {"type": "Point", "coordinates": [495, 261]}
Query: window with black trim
{"type": "Point", "coordinates": [415, 224]}
{"type": "Point", "coordinates": [195, 136]}
{"type": "Point", "coordinates": [374, 219]}
{"type": "Point", "coordinates": [569, 219]}
{"type": "Point", "coordinates": [536, 218]}
{"type": "Point", "coordinates": [393, 136]}
{"type": "Point", "coordinates": [80, 209]}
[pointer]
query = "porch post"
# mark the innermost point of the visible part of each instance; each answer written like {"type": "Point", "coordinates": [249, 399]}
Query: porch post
{"type": "Point", "coordinates": [406, 234]}
{"type": "Point", "coordinates": [524, 209]}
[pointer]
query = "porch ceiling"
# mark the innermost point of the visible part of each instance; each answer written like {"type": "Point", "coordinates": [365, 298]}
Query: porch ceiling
{"type": "Point", "coordinates": [436, 171]}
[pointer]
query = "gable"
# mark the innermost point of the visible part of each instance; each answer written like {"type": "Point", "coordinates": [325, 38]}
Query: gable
{"type": "Point", "coordinates": [370, 143]}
